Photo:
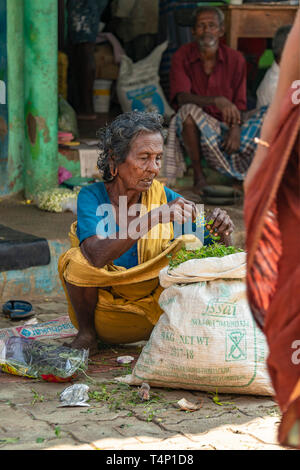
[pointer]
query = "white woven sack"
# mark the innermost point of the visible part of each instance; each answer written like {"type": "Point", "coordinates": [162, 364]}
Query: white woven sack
{"type": "Point", "coordinates": [206, 339]}
{"type": "Point", "coordinates": [138, 84]}
{"type": "Point", "coordinates": [207, 269]}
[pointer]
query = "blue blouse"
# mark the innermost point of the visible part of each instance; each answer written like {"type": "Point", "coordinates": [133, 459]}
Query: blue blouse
{"type": "Point", "coordinates": [95, 217]}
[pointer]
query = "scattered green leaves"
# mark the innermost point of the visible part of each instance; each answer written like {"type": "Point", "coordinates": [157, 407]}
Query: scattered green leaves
{"type": "Point", "coordinates": [123, 397]}
{"type": "Point", "coordinates": [273, 411]}
{"type": "Point", "coordinates": [101, 362]}
{"type": "Point", "coordinates": [216, 400]}
{"type": "Point", "coordinates": [39, 440]}
{"type": "Point", "coordinates": [57, 431]}
{"type": "Point", "coordinates": [127, 368]}
{"type": "Point", "coordinates": [9, 440]}
{"type": "Point", "coordinates": [88, 411]}
{"type": "Point", "coordinates": [36, 397]}
{"type": "Point", "coordinates": [150, 414]}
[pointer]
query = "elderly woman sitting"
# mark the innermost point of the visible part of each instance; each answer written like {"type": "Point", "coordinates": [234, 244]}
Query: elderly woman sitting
{"type": "Point", "coordinates": [123, 234]}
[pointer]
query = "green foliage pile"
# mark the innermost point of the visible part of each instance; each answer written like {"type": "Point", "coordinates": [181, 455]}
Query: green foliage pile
{"type": "Point", "coordinates": [216, 250]}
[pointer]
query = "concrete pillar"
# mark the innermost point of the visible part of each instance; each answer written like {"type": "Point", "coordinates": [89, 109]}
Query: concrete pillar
{"type": "Point", "coordinates": [15, 91]}
{"type": "Point", "coordinates": [3, 99]}
{"type": "Point", "coordinates": [41, 101]}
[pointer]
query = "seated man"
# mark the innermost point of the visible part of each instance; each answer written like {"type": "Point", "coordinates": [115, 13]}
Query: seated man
{"type": "Point", "coordinates": [208, 88]}
{"type": "Point", "coordinates": [126, 227]}
{"type": "Point", "coordinates": [268, 85]}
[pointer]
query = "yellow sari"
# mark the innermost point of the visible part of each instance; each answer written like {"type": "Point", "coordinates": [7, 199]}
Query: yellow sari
{"type": "Point", "coordinates": [129, 310]}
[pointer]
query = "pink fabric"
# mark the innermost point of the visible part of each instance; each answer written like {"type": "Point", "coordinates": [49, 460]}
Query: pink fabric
{"type": "Point", "coordinates": [63, 174]}
{"type": "Point", "coordinates": [65, 136]}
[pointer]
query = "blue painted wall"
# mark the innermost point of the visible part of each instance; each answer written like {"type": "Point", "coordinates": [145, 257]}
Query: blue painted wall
{"type": "Point", "coordinates": [4, 189]}
{"type": "Point", "coordinates": [36, 281]}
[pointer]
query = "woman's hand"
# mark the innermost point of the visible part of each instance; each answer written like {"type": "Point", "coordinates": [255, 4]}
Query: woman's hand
{"type": "Point", "coordinates": [218, 223]}
{"type": "Point", "coordinates": [179, 210]}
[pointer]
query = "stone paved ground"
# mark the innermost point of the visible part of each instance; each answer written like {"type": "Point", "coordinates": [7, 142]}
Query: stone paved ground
{"type": "Point", "coordinates": [116, 419]}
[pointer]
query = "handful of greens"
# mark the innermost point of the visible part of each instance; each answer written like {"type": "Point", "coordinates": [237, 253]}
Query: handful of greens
{"type": "Point", "coordinates": [214, 250]}
{"type": "Point", "coordinates": [35, 359]}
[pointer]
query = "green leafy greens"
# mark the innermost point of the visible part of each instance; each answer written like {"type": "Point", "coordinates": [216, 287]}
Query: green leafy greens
{"type": "Point", "coordinates": [216, 250]}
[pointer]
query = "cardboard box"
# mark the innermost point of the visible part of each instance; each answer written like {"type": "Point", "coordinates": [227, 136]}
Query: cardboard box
{"type": "Point", "coordinates": [104, 54]}
{"type": "Point", "coordinates": [106, 67]}
{"type": "Point", "coordinates": [108, 72]}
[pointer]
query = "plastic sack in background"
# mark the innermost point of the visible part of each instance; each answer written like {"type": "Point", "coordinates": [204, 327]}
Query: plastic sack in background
{"type": "Point", "coordinates": [138, 86]}
{"type": "Point", "coordinates": [70, 205]}
{"type": "Point", "coordinates": [38, 360]}
{"type": "Point", "coordinates": [206, 339]}
{"type": "Point", "coordinates": [67, 119]}
{"type": "Point", "coordinates": [57, 199]}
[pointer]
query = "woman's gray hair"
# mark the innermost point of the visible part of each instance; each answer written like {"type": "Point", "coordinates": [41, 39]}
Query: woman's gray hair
{"type": "Point", "coordinates": [117, 137]}
{"type": "Point", "coordinates": [217, 11]}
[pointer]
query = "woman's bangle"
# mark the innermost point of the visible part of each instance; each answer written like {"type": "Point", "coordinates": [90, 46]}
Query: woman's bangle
{"type": "Point", "coordinates": [261, 142]}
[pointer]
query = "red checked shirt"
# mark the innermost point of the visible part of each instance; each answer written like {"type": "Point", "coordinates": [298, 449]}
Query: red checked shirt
{"type": "Point", "coordinates": [228, 77]}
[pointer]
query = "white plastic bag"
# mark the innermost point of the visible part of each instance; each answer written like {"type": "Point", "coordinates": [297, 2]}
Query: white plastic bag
{"type": "Point", "coordinates": [206, 339]}
{"type": "Point", "coordinates": [138, 84]}
{"type": "Point", "coordinates": [67, 119]}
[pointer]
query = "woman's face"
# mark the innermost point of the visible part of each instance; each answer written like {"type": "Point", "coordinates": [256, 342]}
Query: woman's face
{"type": "Point", "coordinates": [143, 162]}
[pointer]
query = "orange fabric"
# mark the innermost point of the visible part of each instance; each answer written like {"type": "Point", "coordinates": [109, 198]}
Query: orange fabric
{"type": "Point", "coordinates": [272, 217]}
{"type": "Point", "coordinates": [128, 312]}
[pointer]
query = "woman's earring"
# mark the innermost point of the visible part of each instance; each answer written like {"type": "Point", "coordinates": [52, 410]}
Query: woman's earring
{"type": "Point", "coordinates": [114, 171]}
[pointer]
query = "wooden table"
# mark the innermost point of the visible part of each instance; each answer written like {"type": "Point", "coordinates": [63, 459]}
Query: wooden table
{"type": "Point", "coordinates": [256, 20]}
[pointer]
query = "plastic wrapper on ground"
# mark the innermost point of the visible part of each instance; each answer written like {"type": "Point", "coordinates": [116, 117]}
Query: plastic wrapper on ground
{"type": "Point", "coordinates": [39, 360]}
{"type": "Point", "coordinates": [75, 395]}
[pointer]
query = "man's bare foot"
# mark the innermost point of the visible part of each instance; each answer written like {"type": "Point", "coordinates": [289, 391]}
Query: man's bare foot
{"type": "Point", "coordinates": [198, 190]}
{"type": "Point", "coordinates": [198, 186]}
{"type": "Point", "coordinates": [199, 183]}
{"type": "Point", "coordinates": [85, 342]}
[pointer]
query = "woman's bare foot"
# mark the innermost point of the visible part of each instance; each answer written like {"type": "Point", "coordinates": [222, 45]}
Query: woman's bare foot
{"type": "Point", "coordinates": [84, 341]}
